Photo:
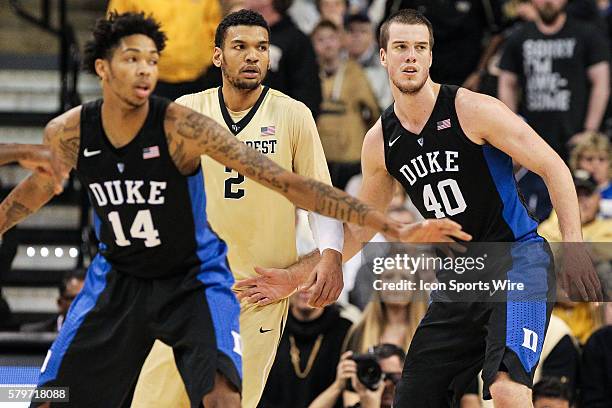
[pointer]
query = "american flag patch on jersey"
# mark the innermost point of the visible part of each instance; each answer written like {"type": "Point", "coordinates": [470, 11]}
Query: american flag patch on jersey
{"type": "Point", "coordinates": [443, 124]}
{"type": "Point", "coordinates": [150, 152]}
{"type": "Point", "coordinates": [268, 130]}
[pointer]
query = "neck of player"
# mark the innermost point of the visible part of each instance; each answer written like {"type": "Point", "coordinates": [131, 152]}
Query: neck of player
{"type": "Point", "coordinates": [121, 122]}
{"type": "Point", "coordinates": [239, 100]}
{"type": "Point", "coordinates": [413, 110]}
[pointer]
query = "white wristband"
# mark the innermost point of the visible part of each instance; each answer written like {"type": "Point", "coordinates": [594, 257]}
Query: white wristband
{"type": "Point", "coordinates": [328, 233]}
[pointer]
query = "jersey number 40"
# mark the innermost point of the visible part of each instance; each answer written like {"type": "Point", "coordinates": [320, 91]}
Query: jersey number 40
{"type": "Point", "coordinates": [431, 203]}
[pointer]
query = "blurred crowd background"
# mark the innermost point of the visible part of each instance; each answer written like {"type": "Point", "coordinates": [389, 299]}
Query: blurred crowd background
{"type": "Point", "coordinates": [548, 60]}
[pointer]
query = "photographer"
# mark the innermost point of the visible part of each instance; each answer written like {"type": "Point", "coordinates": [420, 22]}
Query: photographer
{"type": "Point", "coordinates": [365, 380]}
{"type": "Point", "coordinates": [551, 392]}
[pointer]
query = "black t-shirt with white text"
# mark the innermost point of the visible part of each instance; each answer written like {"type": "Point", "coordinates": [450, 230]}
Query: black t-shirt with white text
{"type": "Point", "coordinates": [553, 75]}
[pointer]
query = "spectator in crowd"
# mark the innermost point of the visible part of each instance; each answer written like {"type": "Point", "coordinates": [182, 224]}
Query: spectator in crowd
{"type": "Point", "coordinates": [390, 358]}
{"type": "Point", "coordinates": [593, 153]}
{"type": "Point", "coordinates": [551, 392]}
{"type": "Point", "coordinates": [363, 48]}
{"type": "Point", "coordinates": [190, 27]}
{"type": "Point", "coordinates": [390, 316]}
{"type": "Point", "coordinates": [596, 370]}
{"type": "Point", "coordinates": [594, 228]}
{"type": "Point", "coordinates": [333, 10]}
{"type": "Point", "coordinates": [293, 66]}
{"type": "Point", "coordinates": [358, 271]}
{"type": "Point", "coordinates": [555, 61]}
{"type": "Point", "coordinates": [307, 355]}
{"type": "Point", "coordinates": [349, 106]}
{"type": "Point", "coordinates": [69, 288]}
{"type": "Point", "coordinates": [465, 33]}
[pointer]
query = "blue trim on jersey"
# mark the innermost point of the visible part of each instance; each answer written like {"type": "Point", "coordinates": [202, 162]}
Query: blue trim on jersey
{"type": "Point", "coordinates": [95, 283]}
{"type": "Point", "coordinates": [216, 276]}
{"type": "Point", "coordinates": [514, 212]}
{"type": "Point", "coordinates": [526, 310]}
{"type": "Point", "coordinates": [97, 227]}
{"type": "Point", "coordinates": [19, 375]}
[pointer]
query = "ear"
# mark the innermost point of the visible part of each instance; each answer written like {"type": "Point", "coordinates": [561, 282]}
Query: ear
{"type": "Point", "coordinates": [430, 58]}
{"type": "Point", "coordinates": [383, 57]}
{"type": "Point", "coordinates": [101, 67]}
{"type": "Point", "coordinates": [217, 57]}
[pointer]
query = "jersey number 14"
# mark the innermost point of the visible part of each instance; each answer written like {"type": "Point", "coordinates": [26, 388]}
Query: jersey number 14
{"type": "Point", "coordinates": [142, 228]}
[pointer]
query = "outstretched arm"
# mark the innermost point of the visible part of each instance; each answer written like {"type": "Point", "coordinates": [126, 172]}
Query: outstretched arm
{"type": "Point", "coordinates": [61, 141]}
{"type": "Point", "coordinates": [191, 134]}
{"type": "Point", "coordinates": [487, 120]}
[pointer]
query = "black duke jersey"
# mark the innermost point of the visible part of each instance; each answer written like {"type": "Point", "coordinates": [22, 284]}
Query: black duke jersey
{"type": "Point", "coordinates": [149, 218]}
{"type": "Point", "coordinates": [447, 175]}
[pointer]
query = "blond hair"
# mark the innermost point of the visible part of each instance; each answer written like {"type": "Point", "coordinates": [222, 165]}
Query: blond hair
{"type": "Point", "coordinates": [368, 331]}
{"type": "Point", "coordinates": [590, 141]}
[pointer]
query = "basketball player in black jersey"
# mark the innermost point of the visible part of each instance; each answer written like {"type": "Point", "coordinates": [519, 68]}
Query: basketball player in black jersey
{"type": "Point", "coordinates": [161, 271]}
{"type": "Point", "coordinates": [452, 151]}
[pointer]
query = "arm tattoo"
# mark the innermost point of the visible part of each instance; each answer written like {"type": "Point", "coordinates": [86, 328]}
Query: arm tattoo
{"type": "Point", "coordinates": [212, 138]}
{"type": "Point", "coordinates": [179, 155]}
{"type": "Point", "coordinates": [332, 203]}
{"type": "Point", "coordinates": [66, 140]}
{"type": "Point", "coordinates": [15, 212]}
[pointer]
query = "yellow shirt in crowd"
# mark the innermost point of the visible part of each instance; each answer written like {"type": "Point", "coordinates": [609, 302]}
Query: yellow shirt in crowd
{"type": "Point", "coordinates": [190, 27]}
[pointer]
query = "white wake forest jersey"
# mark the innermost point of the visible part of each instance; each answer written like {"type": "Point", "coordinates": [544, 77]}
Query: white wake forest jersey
{"type": "Point", "coordinates": [257, 223]}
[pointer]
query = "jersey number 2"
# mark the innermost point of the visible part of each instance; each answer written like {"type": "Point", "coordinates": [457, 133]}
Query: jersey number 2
{"type": "Point", "coordinates": [142, 228]}
{"type": "Point", "coordinates": [229, 191]}
{"type": "Point", "coordinates": [432, 204]}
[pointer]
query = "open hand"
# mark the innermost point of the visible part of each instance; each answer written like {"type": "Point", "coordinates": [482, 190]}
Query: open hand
{"type": "Point", "coordinates": [579, 279]}
{"type": "Point", "coordinates": [271, 285]}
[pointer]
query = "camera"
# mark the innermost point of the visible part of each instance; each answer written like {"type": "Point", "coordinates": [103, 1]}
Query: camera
{"type": "Point", "coordinates": [369, 372]}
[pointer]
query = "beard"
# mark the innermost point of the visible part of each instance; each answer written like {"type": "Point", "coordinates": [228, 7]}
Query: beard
{"type": "Point", "coordinates": [238, 83]}
{"type": "Point", "coordinates": [411, 89]}
{"type": "Point", "coordinates": [548, 14]}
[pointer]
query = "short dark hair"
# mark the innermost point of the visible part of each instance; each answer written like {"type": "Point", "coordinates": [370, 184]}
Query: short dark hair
{"type": "Point", "coordinates": [387, 350]}
{"type": "Point", "coordinates": [109, 31]}
{"type": "Point", "coordinates": [324, 24]}
{"type": "Point", "coordinates": [239, 18]}
{"type": "Point", "coordinates": [407, 17]}
{"type": "Point", "coordinates": [552, 387]}
{"type": "Point", "coordinates": [356, 18]}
